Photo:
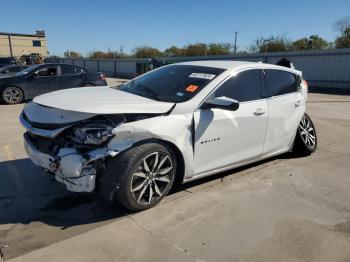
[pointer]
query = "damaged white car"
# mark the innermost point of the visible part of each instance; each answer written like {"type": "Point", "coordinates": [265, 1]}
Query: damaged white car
{"type": "Point", "coordinates": [178, 122]}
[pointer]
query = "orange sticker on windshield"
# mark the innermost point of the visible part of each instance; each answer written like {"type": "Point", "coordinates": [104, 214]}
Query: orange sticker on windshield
{"type": "Point", "coordinates": [191, 88]}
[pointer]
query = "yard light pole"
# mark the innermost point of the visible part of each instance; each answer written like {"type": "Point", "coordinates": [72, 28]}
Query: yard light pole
{"type": "Point", "coordinates": [235, 46]}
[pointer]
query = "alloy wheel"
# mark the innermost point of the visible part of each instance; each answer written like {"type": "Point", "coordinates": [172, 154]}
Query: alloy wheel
{"type": "Point", "coordinates": [152, 178]}
{"type": "Point", "coordinates": [307, 132]}
{"type": "Point", "coordinates": [12, 95]}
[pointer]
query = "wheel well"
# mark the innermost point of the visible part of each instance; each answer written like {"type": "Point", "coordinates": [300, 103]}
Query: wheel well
{"type": "Point", "coordinates": [180, 172]}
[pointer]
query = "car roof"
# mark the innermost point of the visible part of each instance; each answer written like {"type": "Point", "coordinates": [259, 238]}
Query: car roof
{"type": "Point", "coordinates": [231, 65]}
{"type": "Point", "coordinates": [56, 64]}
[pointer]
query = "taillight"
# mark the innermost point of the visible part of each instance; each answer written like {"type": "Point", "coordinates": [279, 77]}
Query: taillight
{"type": "Point", "coordinates": [102, 76]}
{"type": "Point", "coordinates": [305, 84]}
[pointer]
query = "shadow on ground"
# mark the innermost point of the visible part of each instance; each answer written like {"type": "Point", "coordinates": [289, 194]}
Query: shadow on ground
{"type": "Point", "coordinates": [27, 195]}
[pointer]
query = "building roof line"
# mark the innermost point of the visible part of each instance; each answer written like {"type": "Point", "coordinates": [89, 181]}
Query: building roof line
{"type": "Point", "coordinates": [18, 34]}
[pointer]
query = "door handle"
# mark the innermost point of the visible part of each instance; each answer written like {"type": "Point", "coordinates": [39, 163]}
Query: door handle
{"type": "Point", "coordinates": [297, 103]}
{"type": "Point", "coordinates": [259, 111]}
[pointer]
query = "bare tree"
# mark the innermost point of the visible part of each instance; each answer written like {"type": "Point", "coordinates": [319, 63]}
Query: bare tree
{"type": "Point", "coordinates": [343, 27]}
{"type": "Point", "coordinates": [342, 24]}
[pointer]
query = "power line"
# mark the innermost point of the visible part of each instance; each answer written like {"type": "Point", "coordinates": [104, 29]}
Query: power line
{"type": "Point", "coordinates": [258, 30]}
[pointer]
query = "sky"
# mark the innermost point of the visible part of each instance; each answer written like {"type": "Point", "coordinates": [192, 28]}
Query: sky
{"type": "Point", "coordinates": [89, 25]}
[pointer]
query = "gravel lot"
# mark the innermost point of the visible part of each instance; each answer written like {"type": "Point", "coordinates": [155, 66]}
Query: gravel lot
{"type": "Point", "coordinates": [282, 209]}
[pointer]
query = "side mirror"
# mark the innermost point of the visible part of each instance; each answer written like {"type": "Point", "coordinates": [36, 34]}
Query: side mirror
{"type": "Point", "coordinates": [222, 102]}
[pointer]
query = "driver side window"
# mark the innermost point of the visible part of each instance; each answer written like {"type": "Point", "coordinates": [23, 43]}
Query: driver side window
{"type": "Point", "coordinates": [47, 71]}
{"type": "Point", "coordinates": [245, 86]}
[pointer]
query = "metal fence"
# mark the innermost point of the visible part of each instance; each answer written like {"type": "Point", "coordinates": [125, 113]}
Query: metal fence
{"type": "Point", "coordinates": [323, 69]}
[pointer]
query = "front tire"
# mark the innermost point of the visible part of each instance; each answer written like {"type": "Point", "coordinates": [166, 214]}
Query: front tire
{"type": "Point", "coordinates": [306, 139]}
{"type": "Point", "coordinates": [12, 95]}
{"type": "Point", "coordinates": [140, 177]}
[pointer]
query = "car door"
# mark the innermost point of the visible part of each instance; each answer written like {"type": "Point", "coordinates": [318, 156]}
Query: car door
{"type": "Point", "coordinates": [286, 106]}
{"type": "Point", "coordinates": [70, 76]}
{"type": "Point", "coordinates": [42, 80]}
{"type": "Point", "coordinates": [223, 137]}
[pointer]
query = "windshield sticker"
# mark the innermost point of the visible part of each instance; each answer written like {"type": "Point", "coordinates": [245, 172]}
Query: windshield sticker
{"type": "Point", "coordinates": [179, 94]}
{"type": "Point", "coordinates": [191, 88]}
{"type": "Point", "coordinates": [202, 76]}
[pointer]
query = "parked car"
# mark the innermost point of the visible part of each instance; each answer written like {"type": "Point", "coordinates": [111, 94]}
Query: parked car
{"type": "Point", "coordinates": [11, 70]}
{"type": "Point", "coordinates": [44, 78]}
{"type": "Point", "coordinates": [178, 122]}
{"type": "Point", "coordinates": [4, 61]}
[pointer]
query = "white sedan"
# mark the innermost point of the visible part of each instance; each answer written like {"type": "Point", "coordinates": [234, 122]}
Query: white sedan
{"type": "Point", "coordinates": [179, 122]}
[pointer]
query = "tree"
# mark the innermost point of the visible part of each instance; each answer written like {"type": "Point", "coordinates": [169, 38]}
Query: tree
{"type": "Point", "coordinates": [198, 49]}
{"type": "Point", "coordinates": [219, 49]}
{"type": "Point", "coordinates": [146, 52]}
{"type": "Point", "coordinates": [174, 51]}
{"type": "Point", "coordinates": [106, 55]}
{"type": "Point", "coordinates": [343, 27]}
{"type": "Point", "coordinates": [270, 44]}
{"type": "Point", "coordinates": [72, 54]}
{"type": "Point", "coordinates": [342, 24]}
{"type": "Point", "coordinates": [314, 42]}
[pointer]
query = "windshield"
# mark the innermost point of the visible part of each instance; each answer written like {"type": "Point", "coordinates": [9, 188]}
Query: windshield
{"type": "Point", "coordinates": [175, 83]}
{"type": "Point", "coordinates": [27, 70]}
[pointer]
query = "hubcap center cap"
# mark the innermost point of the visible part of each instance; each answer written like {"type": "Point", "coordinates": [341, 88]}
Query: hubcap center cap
{"type": "Point", "coordinates": [151, 175]}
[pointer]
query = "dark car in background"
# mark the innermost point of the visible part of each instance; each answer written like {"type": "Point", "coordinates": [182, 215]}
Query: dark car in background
{"type": "Point", "coordinates": [11, 70]}
{"type": "Point", "coordinates": [4, 61]}
{"type": "Point", "coordinates": [44, 78]}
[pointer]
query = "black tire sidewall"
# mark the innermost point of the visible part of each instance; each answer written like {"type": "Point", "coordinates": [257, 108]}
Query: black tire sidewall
{"type": "Point", "coordinates": [130, 160]}
{"type": "Point", "coordinates": [300, 144]}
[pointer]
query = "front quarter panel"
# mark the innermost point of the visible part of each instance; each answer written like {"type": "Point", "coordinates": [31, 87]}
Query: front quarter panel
{"type": "Point", "coordinates": [174, 129]}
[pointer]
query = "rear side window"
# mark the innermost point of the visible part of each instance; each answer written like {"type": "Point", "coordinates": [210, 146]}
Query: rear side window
{"type": "Point", "coordinates": [280, 82]}
{"type": "Point", "coordinates": [243, 87]}
{"type": "Point", "coordinates": [67, 70]}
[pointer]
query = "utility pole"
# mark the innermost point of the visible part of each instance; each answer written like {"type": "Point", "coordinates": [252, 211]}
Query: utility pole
{"type": "Point", "coordinates": [10, 44]}
{"type": "Point", "coordinates": [235, 46]}
{"type": "Point", "coordinates": [121, 49]}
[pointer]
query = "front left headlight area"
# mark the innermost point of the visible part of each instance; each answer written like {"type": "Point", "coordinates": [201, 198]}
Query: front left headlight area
{"type": "Point", "coordinates": [94, 132]}
{"type": "Point", "coordinates": [91, 134]}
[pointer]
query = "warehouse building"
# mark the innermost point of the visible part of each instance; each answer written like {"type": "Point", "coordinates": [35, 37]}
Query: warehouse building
{"type": "Point", "coordinates": [17, 45]}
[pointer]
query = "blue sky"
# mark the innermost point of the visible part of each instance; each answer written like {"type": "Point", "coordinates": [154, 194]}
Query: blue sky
{"type": "Point", "coordinates": [98, 25]}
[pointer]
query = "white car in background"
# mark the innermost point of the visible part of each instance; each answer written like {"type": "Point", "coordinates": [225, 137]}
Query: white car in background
{"type": "Point", "coordinates": [178, 122]}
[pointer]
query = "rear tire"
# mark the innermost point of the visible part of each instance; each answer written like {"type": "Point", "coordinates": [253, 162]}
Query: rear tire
{"type": "Point", "coordinates": [139, 177]}
{"type": "Point", "coordinates": [306, 139]}
{"type": "Point", "coordinates": [12, 95]}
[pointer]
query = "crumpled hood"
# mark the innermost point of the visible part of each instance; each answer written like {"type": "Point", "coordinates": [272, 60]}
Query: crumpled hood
{"type": "Point", "coordinates": [101, 100]}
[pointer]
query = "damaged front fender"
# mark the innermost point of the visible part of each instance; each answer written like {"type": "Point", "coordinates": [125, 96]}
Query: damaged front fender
{"type": "Point", "coordinates": [173, 129]}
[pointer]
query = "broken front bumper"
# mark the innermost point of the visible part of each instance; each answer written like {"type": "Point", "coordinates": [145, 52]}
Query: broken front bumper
{"type": "Point", "coordinates": [76, 172]}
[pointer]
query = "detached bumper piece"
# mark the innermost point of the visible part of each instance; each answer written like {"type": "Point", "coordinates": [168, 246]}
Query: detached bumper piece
{"type": "Point", "coordinates": [75, 171]}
